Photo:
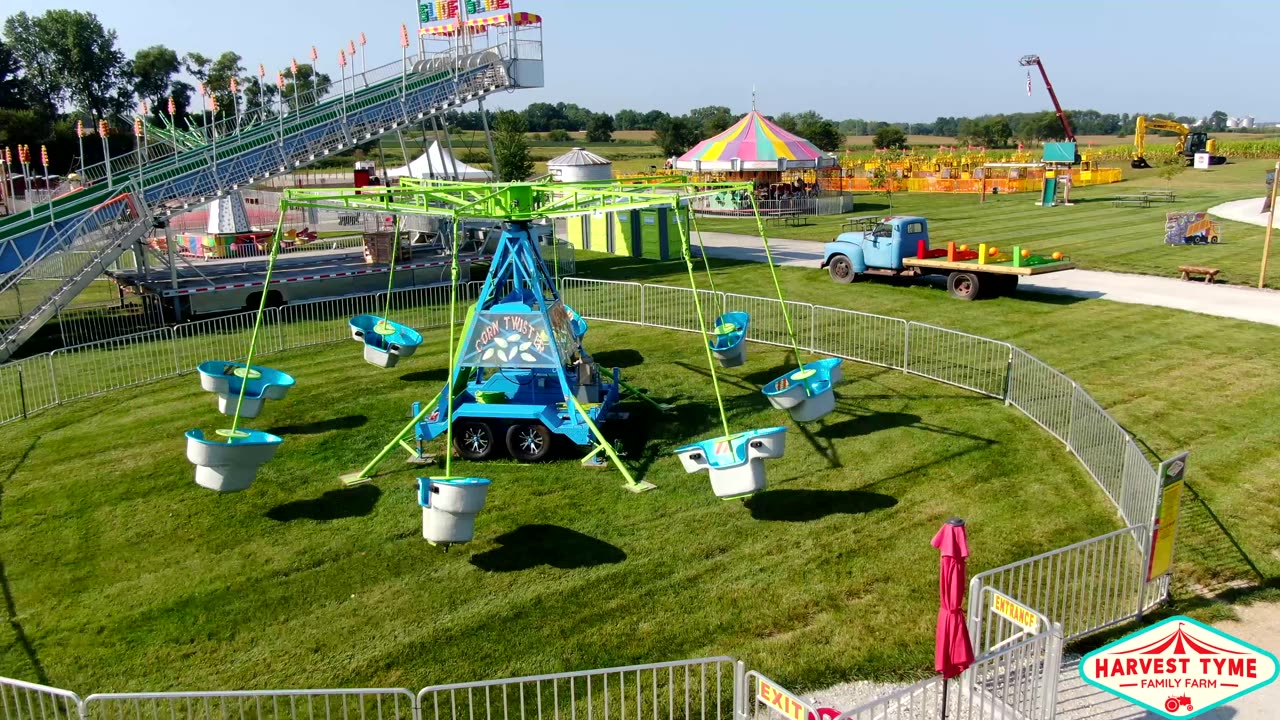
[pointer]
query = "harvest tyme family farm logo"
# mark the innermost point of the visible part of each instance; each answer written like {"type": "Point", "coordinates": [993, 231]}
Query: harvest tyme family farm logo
{"type": "Point", "coordinates": [1179, 668]}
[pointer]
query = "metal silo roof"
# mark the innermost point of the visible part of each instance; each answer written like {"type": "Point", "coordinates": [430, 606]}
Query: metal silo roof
{"type": "Point", "coordinates": [577, 157]}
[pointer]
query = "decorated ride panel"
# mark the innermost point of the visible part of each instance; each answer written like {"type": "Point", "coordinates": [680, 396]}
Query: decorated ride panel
{"type": "Point", "coordinates": [520, 337]}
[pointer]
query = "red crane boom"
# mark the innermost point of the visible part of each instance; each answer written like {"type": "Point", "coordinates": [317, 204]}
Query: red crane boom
{"type": "Point", "coordinates": [1029, 60]}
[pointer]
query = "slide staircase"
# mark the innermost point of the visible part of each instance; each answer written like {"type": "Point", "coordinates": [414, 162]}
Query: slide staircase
{"type": "Point", "coordinates": [124, 198]}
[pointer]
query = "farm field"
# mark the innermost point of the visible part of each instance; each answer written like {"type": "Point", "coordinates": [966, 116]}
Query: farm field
{"type": "Point", "coordinates": [1097, 235]}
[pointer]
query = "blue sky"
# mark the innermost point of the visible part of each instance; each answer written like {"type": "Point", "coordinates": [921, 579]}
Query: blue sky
{"type": "Point", "coordinates": [888, 60]}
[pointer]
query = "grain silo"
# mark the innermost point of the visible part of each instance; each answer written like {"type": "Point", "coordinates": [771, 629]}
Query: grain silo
{"type": "Point", "coordinates": [578, 165]}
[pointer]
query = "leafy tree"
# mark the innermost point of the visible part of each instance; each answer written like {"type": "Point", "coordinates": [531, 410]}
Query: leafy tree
{"type": "Point", "coordinates": [87, 62]}
{"type": "Point", "coordinates": [573, 117]}
{"type": "Point", "coordinates": [559, 135]}
{"type": "Point", "coordinates": [651, 120]}
{"type": "Point", "coordinates": [891, 137]}
{"type": "Point", "coordinates": [884, 179]}
{"type": "Point", "coordinates": [218, 81]}
{"type": "Point", "coordinates": [540, 115]}
{"type": "Point", "coordinates": [258, 97]}
{"type": "Point", "coordinates": [674, 136]}
{"type": "Point", "coordinates": [197, 65]}
{"type": "Point", "coordinates": [153, 69]}
{"type": "Point", "coordinates": [710, 120]}
{"type": "Point", "coordinates": [600, 128]}
{"type": "Point", "coordinates": [510, 147]}
{"type": "Point", "coordinates": [13, 87]}
{"type": "Point", "coordinates": [298, 90]}
{"type": "Point", "coordinates": [1171, 167]}
{"type": "Point", "coordinates": [628, 120]}
{"type": "Point", "coordinates": [1218, 121]}
{"type": "Point", "coordinates": [995, 132]}
{"type": "Point", "coordinates": [44, 81]}
{"type": "Point", "coordinates": [825, 135]}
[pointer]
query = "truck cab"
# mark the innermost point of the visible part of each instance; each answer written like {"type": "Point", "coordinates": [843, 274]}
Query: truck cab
{"type": "Point", "coordinates": [879, 249]}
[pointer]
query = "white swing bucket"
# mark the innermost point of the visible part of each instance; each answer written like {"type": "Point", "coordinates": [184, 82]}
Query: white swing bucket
{"type": "Point", "coordinates": [449, 507]}
{"type": "Point", "coordinates": [230, 466]}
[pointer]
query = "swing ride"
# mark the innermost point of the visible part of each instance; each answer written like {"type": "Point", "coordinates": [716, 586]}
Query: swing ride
{"type": "Point", "coordinates": [520, 378]}
{"type": "Point", "coordinates": [385, 342]}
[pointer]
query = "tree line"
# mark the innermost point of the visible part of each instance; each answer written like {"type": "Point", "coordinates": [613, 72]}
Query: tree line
{"type": "Point", "coordinates": [64, 67]}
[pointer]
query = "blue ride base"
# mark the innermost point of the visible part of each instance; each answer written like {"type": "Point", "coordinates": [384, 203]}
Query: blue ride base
{"type": "Point", "coordinates": [735, 463]}
{"type": "Point", "coordinates": [385, 342]}
{"type": "Point", "coordinates": [261, 384]}
{"type": "Point", "coordinates": [521, 365]}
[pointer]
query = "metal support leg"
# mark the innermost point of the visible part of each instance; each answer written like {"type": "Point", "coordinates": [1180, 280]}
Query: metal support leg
{"type": "Point", "coordinates": [362, 477]}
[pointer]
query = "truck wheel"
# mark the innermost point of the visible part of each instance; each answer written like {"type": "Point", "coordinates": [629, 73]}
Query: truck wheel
{"type": "Point", "coordinates": [474, 439]}
{"type": "Point", "coordinates": [964, 285]}
{"type": "Point", "coordinates": [841, 269]}
{"type": "Point", "coordinates": [528, 442]}
{"type": "Point", "coordinates": [1213, 239]}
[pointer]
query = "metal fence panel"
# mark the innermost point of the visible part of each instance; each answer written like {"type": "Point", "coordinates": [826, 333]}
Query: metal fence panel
{"type": "Point", "coordinates": [25, 387]}
{"type": "Point", "coordinates": [1041, 393]}
{"type": "Point", "coordinates": [364, 704]}
{"type": "Point", "coordinates": [1084, 587]}
{"type": "Point", "coordinates": [674, 308]}
{"type": "Point", "coordinates": [222, 338]}
{"type": "Point", "coordinates": [968, 361]}
{"type": "Point", "coordinates": [1140, 486]}
{"type": "Point", "coordinates": [80, 371]}
{"type": "Point", "coordinates": [604, 299]}
{"type": "Point", "coordinates": [29, 701]}
{"type": "Point", "coordinates": [768, 325]}
{"type": "Point", "coordinates": [701, 689]}
{"type": "Point", "coordinates": [324, 321]}
{"type": "Point", "coordinates": [1099, 442]}
{"type": "Point", "coordinates": [872, 339]}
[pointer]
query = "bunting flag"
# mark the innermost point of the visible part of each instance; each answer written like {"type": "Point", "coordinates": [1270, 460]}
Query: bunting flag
{"type": "Point", "coordinates": [475, 7]}
{"type": "Point", "coordinates": [173, 107]}
{"type": "Point", "coordinates": [262, 71]}
{"type": "Point", "coordinates": [450, 28]}
{"type": "Point", "coordinates": [314, 54]}
{"type": "Point", "coordinates": [342, 58]}
{"type": "Point", "coordinates": [518, 18]}
{"type": "Point", "coordinates": [437, 10]}
{"type": "Point", "coordinates": [404, 36]}
{"type": "Point", "coordinates": [1028, 83]}
{"type": "Point", "coordinates": [44, 156]}
{"type": "Point", "coordinates": [137, 126]}
{"type": "Point", "coordinates": [103, 128]}
{"type": "Point", "coordinates": [362, 38]}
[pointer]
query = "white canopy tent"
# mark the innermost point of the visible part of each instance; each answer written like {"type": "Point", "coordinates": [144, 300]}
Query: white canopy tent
{"type": "Point", "coordinates": [439, 164]}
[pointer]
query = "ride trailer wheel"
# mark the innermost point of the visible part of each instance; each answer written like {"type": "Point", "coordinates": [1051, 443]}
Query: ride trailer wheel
{"type": "Point", "coordinates": [474, 439]}
{"type": "Point", "coordinates": [964, 285]}
{"type": "Point", "coordinates": [528, 442]}
{"type": "Point", "coordinates": [841, 269]}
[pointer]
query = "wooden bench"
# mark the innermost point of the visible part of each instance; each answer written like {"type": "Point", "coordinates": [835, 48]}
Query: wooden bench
{"type": "Point", "coordinates": [1139, 200]}
{"type": "Point", "coordinates": [1190, 270]}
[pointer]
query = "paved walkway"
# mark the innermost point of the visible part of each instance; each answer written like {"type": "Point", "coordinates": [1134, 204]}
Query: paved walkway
{"type": "Point", "coordinates": [1232, 301]}
{"type": "Point", "coordinates": [1245, 211]}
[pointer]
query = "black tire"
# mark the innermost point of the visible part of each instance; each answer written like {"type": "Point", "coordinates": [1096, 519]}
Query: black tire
{"type": "Point", "coordinates": [964, 285]}
{"type": "Point", "coordinates": [841, 269]}
{"type": "Point", "coordinates": [529, 442]}
{"type": "Point", "coordinates": [1213, 239]}
{"type": "Point", "coordinates": [474, 439]}
{"type": "Point", "coordinates": [1140, 164]}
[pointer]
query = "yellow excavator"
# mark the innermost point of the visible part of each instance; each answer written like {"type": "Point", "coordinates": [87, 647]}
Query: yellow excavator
{"type": "Point", "coordinates": [1189, 143]}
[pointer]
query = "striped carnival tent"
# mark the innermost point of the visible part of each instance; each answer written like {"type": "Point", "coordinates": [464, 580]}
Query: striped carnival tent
{"type": "Point", "coordinates": [754, 143]}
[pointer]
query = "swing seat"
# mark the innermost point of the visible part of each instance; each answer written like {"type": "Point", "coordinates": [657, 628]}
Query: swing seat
{"type": "Point", "coordinates": [577, 325]}
{"type": "Point", "coordinates": [262, 384]}
{"type": "Point", "coordinates": [831, 366]}
{"type": "Point", "coordinates": [229, 466]}
{"type": "Point", "coordinates": [385, 342]}
{"type": "Point", "coordinates": [449, 507]}
{"type": "Point", "coordinates": [729, 344]}
{"type": "Point", "coordinates": [735, 464]}
{"type": "Point", "coordinates": [806, 393]}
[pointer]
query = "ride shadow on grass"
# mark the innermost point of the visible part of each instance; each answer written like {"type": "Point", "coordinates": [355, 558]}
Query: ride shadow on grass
{"type": "Point", "coordinates": [529, 546]}
{"type": "Point", "coordinates": [344, 422]}
{"type": "Point", "coordinates": [340, 504]}
{"type": "Point", "coordinates": [808, 505]}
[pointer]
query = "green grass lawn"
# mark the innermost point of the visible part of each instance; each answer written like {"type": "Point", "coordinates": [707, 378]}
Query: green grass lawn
{"type": "Point", "coordinates": [1095, 234]}
{"type": "Point", "coordinates": [124, 575]}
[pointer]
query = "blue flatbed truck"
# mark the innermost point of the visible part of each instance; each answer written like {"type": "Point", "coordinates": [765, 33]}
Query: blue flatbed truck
{"type": "Point", "coordinates": [899, 247]}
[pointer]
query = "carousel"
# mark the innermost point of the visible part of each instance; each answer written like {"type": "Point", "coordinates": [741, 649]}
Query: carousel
{"type": "Point", "coordinates": [790, 174]}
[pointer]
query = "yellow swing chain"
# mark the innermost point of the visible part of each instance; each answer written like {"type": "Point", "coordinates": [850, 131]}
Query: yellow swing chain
{"type": "Point", "coordinates": [453, 319]}
{"type": "Point", "coordinates": [257, 322]}
{"type": "Point", "coordinates": [702, 323]}
{"type": "Point", "coordinates": [391, 275]}
{"type": "Point", "coordinates": [773, 270]}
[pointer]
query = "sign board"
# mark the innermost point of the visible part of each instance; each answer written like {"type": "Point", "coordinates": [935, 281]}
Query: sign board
{"type": "Point", "coordinates": [1060, 152]}
{"type": "Point", "coordinates": [501, 338]}
{"type": "Point", "coordinates": [1201, 161]}
{"type": "Point", "coordinates": [780, 700]}
{"type": "Point", "coordinates": [1015, 612]}
{"type": "Point", "coordinates": [1166, 525]}
{"type": "Point", "coordinates": [1266, 202]}
{"type": "Point", "coordinates": [1190, 228]}
{"type": "Point", "coordinates": [1179, 668]}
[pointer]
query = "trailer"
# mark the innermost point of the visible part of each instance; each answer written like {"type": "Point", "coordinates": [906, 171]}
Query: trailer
{"type": "Point", "coordinates": [899, 247]}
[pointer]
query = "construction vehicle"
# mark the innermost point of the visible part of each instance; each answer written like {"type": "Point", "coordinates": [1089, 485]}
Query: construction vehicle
{"type": "Point", "coordinates": [1189, 143]}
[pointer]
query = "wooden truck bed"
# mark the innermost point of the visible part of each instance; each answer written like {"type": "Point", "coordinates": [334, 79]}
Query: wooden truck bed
{"type": "Point", "coordinates": [999, 268]}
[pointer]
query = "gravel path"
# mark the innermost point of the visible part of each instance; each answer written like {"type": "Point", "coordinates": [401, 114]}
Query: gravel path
{"type": "Point", "coordinates": [1245, 211]}
{"type": "Point", "coordinates": [1232, 301]}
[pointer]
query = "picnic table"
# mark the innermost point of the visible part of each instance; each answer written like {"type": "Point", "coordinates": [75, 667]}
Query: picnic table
{"type": "Point", "coordinates": [1161, 195]}
{"type": "Point", "coordinates": [1140, 200]}
{"type": "Point", "coordinates": [860, 223]}
{"type": "Point", "coordinates": [792, 218]}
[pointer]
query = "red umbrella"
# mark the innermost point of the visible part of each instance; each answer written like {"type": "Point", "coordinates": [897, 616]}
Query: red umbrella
{"type": "Point", "coordinates": [953, 652]}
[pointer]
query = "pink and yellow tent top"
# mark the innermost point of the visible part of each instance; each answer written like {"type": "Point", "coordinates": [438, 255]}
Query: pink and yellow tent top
{"type": "Point", "coordinates": [754, 143]}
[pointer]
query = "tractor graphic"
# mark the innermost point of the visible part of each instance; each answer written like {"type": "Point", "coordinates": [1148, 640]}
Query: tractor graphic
{"type": "Point", "coordinates": [1176, 701]}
